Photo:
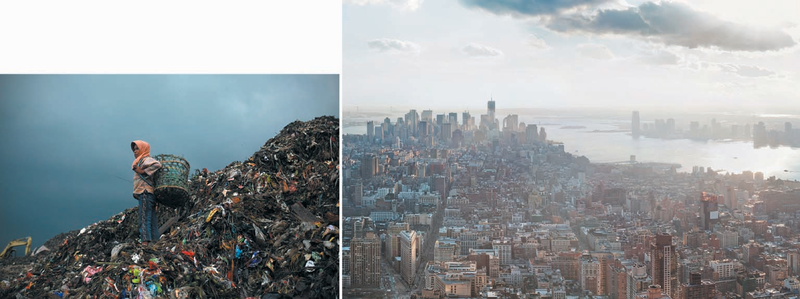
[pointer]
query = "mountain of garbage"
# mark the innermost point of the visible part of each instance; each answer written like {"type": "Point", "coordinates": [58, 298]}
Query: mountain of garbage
{"type": "Point", "coordinates": [267, 227]}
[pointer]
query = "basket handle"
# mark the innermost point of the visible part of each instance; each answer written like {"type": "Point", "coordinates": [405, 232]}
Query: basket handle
{"type": "Point", "coordinates": [140, 175]}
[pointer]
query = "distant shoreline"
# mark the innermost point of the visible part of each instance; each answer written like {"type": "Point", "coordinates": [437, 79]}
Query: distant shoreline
{"type": "Point", "coordinates": [608, 131]}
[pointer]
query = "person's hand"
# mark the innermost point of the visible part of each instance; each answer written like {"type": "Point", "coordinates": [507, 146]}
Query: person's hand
{"type": "Point", "coordinates": [138, 170]}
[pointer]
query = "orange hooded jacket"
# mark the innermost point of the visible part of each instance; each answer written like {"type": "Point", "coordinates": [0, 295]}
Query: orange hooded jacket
{"type": "Point", "coordinates": [144, 182]}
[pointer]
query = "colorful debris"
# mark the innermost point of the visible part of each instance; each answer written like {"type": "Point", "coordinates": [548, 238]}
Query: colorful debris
{"type": "Point", "coordinates": [240, 235]}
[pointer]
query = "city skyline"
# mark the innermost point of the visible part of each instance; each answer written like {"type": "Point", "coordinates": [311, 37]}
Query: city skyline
{"type": "Point", "coordinates": [505, 209]}
{"type": "Point", "coordinates": [777, 132]}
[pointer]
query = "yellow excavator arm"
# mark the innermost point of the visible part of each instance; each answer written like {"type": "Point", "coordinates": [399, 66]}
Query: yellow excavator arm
{"type": "Point", "coordinates": [17, 242]}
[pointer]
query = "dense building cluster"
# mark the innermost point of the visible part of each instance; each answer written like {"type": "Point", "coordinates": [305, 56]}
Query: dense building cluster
{"type": "Point", "coordinates": [502, 212]}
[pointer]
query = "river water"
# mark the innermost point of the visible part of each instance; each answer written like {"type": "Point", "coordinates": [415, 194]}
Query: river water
{"type": "Point", "coordinates": [611, 145]}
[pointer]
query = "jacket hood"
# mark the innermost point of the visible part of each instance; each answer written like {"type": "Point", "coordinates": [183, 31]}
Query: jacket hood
{"type": "Point", "coordinates": [144, 151]}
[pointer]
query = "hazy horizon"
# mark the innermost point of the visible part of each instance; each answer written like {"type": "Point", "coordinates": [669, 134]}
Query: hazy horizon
{"type": "Point", "coordinates": [477, 110]}
{"type": "Point", "coordinates": [682, 117]}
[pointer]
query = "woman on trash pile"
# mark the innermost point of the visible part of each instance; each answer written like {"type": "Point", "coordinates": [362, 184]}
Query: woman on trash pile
{"type": "Point", "coordinates": [144, 167]}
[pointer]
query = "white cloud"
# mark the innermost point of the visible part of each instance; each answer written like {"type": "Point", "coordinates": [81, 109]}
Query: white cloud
{"type": "Point", "coordinates": [403, 5]}
{"type": "Point", "coordinates": [669, 57]}
{"type": "Point", "coordinates": [736, 89]}
{"type": "Point", "coordinates": [536, 43]}
{"type": "Point", "coordinates": [596, 51]}
{"type": "Point", "coordinates": [658, 56]}
{"type": "Point", "coordinates": [481, 50]}
{"type": "Point", "coordinates": [744, 70]}
{"type": "Point", "coordinates": [394, 46]}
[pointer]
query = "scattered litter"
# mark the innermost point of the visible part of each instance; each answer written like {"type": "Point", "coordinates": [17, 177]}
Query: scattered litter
{"type": "Point", "coordinates": [40, 250]}
{"type": "Point", "coordinates": [309, 266]}
{"type": "Point", "coordinates": [115, 251]}
{"type": "Point", "coordinates": [266, 227]}
{"type": "Point", "coordinates": [89, 271]}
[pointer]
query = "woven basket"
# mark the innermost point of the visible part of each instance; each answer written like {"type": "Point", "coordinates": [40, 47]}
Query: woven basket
{"type": "Point", "coordinates": [172, 180]}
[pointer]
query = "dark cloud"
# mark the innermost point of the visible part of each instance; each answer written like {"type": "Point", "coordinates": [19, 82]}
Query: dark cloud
{"type": "Point", "coordinates": [606, 21]}
{"type": "Point", "coordinates": [530, 8]}
{"type": "Point", "coordinates": [67, 137]}
{"type": "Point", "coordinates": [675, 24]}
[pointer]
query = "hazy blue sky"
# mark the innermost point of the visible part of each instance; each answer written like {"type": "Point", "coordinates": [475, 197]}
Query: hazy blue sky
{"type": "Point", "coordinates": [580, 53]}
{"type": "Point", "coordinates": [66, 137]}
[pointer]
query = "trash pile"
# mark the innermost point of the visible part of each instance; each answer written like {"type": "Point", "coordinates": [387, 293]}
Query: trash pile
{"type": "Point", "coordinates": [267, 227]}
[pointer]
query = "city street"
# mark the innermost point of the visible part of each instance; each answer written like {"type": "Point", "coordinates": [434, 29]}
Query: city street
{"type": "Point", "coordinates": [393, 283]}
{"type": "Point", "coordinates": [426, 252]}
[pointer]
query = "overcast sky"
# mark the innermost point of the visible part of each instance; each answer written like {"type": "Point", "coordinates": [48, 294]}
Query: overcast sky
{"type": "Point", "coordinates": [66, 138]}
{"type": "Point", "coordinates": [577, 53]}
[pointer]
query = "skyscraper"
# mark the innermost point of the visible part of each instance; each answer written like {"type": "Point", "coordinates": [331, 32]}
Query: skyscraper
{"type": "Point", "coordinates": [446, 131]}
{"type": "Point", "coordinates": [590, 274]}
{"type": "Point", "coordinates": [412, 118]}
{"type": "Point", "coordinates": [358, 193]}
{"type": "Point", "coordinates": [503, 250]}
{"type": "Point", "coordinates": [542, 135]}
{"type": "Point", "coordinates": [370, 131]}
{"type": "Point", "coordinates": [466, 122]}
{"type": "Point", "coordinates": [730, 197]}
{"type": "Point", "coordinates": [491, 113]}
{"type": "Point", "coordinates": [511, 122]}
{"type": "Point", "coordinates": [452, 118]}
{"type": "Point", "coordinates": [346, 262]}
{"type": "Point", "coordinates": [363, 227]}
{"type": "Point", "coordinates": [440, 119]}
{"type": "Point", "coordinates": [617, 281]}
{"type": "Point", "coordinates": [793, 262]}
{"type": "Point", "coordinates": [400, 129]}
{"type": "Point", "coordinates": [635, 124]}
{"type": "Point", "coordinates": [531, 133]}
{"type": "Point", "coordinates": [486, 123]}
{"type": "Point", "coordinates": [379, 132]}
{"type": "Point", "coordinates": [408, 255]}
{"type": "Point", "coordinates": [427, 115]}
{"type": "Point", "coordinates": [392, 240]}
{"type": "Point", "coordinates": [369, 166]}
{"type": "Point", "coordinates": [664, 264]}
{"type": "Point", "coordinates": [424, 128]}
{"type": "Point", "coordinates": [388, 128]}
{"type": "Point", "coordinates": [709, 214]}
{"type": "Point", "coordinates": [365, 259]}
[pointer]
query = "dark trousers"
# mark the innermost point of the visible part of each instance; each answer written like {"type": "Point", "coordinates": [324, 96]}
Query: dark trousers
{"type": "Point", "coordinates": [148, 219]}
